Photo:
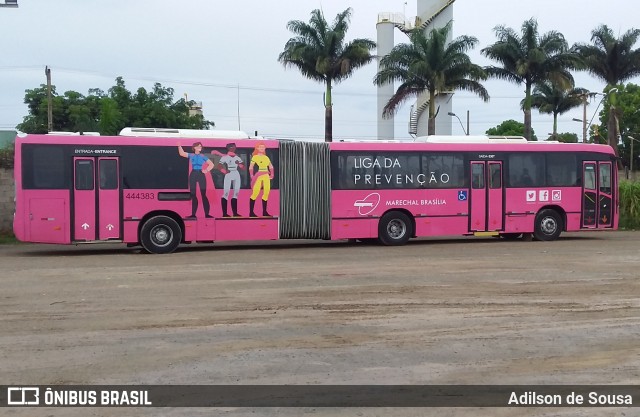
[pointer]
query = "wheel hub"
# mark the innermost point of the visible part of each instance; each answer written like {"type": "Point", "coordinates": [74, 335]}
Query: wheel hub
{"type": "Point", "coordinates": [396, 229]}
{"type": "Point", "coordinates": [161, 235]}
{"type": "Point", "coordinates": [548, 225]}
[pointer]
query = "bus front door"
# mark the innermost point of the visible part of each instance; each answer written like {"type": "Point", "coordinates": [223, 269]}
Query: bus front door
{"type": "Point", "coordinates": [597, 195]}
{"type": "Point", "coordinates": [96, 198]}
{"type": "Point", "coordinates": [485, 202]}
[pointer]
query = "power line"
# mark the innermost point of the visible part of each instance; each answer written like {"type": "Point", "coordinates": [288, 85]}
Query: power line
{"type": "Point", "coordinates": [208, 84]}
{"type": "Point", "coordinates": [336, 92]}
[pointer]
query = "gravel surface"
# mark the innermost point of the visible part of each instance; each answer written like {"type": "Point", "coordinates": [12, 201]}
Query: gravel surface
{"type": "Point", "coordinates": [445, 311]}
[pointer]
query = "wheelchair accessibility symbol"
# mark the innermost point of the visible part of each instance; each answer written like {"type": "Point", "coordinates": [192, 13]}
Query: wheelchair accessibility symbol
{"type": "Point", "coordinates": [462, 195]}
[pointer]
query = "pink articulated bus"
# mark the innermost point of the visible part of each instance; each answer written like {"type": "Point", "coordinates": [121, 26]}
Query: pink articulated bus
{"type": "Point", "coordinates": [159, 192]}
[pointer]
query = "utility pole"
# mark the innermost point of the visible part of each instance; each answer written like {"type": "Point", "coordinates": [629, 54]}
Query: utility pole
{"type": "Point", "coordinates": [584, 118]}
{"type": "Point", "coordinates": [468, 123]}
{"type": "Point", "coordinates": [47, 72]}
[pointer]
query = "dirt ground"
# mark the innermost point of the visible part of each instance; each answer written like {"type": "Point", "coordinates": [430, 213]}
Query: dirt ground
{"type": "Point", "coordinates": [445, 311]}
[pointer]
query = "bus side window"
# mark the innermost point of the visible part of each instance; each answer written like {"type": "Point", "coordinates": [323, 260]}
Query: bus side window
{"type": "Point", "coordinates": [605, 179]}
{"type": "Point", "coordinates": [527, 170]}
{"type": "Point", "coordinates": [525, 179]}
{"type": "Point", "coordinates": [84, 175]}
{"type": "Point", "coordinates": [590, 178]}
{"type": "Point", "coordinates": [108, 174]}
{"type": "Point", "coordinates": [477, 176]}
{"type": "Point", "coordinates": [496, 178]}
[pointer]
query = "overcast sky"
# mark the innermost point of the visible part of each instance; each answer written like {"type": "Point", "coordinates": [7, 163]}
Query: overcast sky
{"type": "Point", "coordinates": [224, 54]}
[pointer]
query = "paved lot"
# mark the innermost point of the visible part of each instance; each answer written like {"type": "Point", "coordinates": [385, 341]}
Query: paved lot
{"type": "Point", "coordinates": [446, 311]}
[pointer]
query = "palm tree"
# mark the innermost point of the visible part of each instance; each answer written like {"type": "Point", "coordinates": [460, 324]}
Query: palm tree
{"type": "Point", "coordinates": [320, 52]}
{"type": "Point", "coordinates": [429, 64]}
{"type": "Point", "coordinates": [614, 61]}
{"type": "Point", "coordinates": [531, 59]}
{"type": "Point", "coordinates": [550, 98]}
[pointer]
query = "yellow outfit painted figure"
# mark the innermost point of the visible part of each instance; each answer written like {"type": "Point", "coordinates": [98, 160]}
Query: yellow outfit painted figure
{"type": "Point", "coordinates": [262, 176]}
{"type": "Point", "coordinates": [261, 180]}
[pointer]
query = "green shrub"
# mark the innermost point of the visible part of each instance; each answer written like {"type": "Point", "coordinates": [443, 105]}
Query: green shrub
{"type": "Point", "coordinates": [6, 156]}
{"type": "Point", "coordinates": [630, 205]}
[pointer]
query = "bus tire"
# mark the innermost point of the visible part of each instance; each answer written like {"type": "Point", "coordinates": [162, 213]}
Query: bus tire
{"type": "Point", "coordinates": [548, 225]}
{"type": "Point", "coordinates": [160, 234]}
{"type": "Point", "coordinates": [395, 228]}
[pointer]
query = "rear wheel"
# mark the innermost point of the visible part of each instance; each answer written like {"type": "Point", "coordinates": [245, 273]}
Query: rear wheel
{"type": "Point", "coordinates": [395, 228]}
{"type": "Point", "coordinates": [160, 234]}
{"type": "Point", "coordinates": [548, 225]}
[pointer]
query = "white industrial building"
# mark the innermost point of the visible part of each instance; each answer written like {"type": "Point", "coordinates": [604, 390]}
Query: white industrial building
{"type": "Point", "coordinates": [430, 14]}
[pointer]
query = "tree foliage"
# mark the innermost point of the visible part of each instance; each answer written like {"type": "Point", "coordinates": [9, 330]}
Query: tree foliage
{"type": "Point", "coordinates": [320, 53]}
{"type": "Point", "coordinates": [428, 63]}
{"type": "Point", "coordinates": [628, 112]}
{"type": "Point", "coordinates": [566, 137]}
{"type": "Point", "coordinates": [530, 58]}
{"type": "Point", "coordinates": [614, 61]}
{"type": "Point", "coordinates": [551, 98]}
{"type": "Point", "coordinates": [509, 128]}
{"type": "Point", "coordinates": [108, 113]}
{"type": "Point", "coordinates": [6, 156]}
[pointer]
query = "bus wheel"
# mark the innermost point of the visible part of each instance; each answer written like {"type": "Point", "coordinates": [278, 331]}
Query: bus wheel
{"type": "Point", "coordinates": [395, 228]}
{"type": "Point", "coordinates": [160, 234]}
{"type": "Point", "coordinates": [548, 225]}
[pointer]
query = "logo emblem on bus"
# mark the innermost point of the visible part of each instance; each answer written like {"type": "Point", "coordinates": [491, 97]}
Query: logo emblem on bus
{"type": "Point", "coordinates": [367, 204]}
{"type": "Point", "coordinates": [462, 195]}
{"type": "Point", "coordinates": [543, 195]}
{"type": "Point", "coordinates": [531, 195]}
{"type": "Point", "coordinates": [556, 195]}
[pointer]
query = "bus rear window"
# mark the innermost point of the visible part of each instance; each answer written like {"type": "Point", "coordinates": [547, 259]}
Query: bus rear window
{"type": "Point", "coordinates": [43, 168]}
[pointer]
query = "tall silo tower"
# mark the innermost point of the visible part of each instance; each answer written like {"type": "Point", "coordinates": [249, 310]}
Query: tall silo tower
{"type": "Point", "coordinates": [430, 14]}
{"type": "Point", "coordinates": [384, 28]}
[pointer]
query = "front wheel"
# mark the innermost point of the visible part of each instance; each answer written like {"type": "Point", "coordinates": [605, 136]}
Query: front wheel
{"type": "Point", "coordinates": [548, 225]}
{"type": "Point", "coordinates": [160, 234]}
{"type": "Point", "coordinates": [395, 228]}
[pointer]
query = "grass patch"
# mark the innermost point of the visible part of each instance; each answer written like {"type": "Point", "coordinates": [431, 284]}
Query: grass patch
{"type": "Point", "coordinates": [630, 205]}
{"type": "Point", "coordinates": [8, 239]}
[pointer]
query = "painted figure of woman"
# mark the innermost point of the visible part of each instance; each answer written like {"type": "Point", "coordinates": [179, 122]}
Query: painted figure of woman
{"type": "Point", "coordinates": [231, 178]}
{"type": "Point", "coordinates": [260, 180]}
{"type": "Point", "coordinates": [200, 165]}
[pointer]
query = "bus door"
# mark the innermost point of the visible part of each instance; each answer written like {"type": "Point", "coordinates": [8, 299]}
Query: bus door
{"type": "Point", "coordinates": [486, 199]}
{"type": "Point", "coordinates": [96, 198]}
{"type": "Point", "coordinates": [597, 194]}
